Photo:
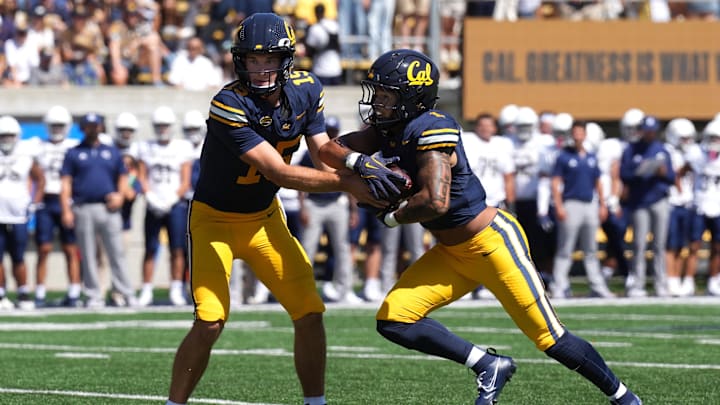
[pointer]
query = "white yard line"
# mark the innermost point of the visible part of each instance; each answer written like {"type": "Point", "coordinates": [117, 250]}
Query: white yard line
{"type": "Point", "coordinates": [83, 394]}
{"type": "Point", "coordinates": [345, 355]}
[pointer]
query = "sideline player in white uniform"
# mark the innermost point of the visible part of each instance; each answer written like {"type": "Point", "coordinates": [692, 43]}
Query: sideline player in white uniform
{"type": "Point", "coordinates": [18, 167]}
{"type": "Point", "coordinates": [609, 152]}
{"type": "Point", "coordinates": [164, 174]}
{"type": "Point", "coordinates": [680, 137]}
{"type": "Point", "coordinates": [126, 127]}
{"type": "Point", "coordinates": [530, 150]}
{"type": "Point", "coordinates": [491, 159]}
{"type": "Point", "coordinates": [51, 154]}
{"type": "Point", "coordinates": [707, 200]}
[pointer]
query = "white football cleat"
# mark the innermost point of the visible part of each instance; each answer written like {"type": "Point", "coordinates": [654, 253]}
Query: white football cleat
{"type": "Point", "coordinates": [177, 298]}
{"type": "Point", "coordinates": [145, 298]}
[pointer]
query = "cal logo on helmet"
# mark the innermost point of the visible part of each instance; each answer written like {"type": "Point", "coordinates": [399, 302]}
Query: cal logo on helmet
{"type": "Point", "coordinates": [421, 76]}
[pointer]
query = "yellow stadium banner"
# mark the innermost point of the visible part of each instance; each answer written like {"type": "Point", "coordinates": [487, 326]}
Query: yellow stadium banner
{"type": "Point", "coordinates": [593, 70]}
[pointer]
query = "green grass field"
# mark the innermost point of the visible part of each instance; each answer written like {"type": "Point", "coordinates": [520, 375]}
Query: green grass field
{"type": "Point", "coordinates": [667, 351]}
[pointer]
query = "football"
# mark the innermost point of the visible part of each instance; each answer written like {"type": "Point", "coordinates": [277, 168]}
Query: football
{"type": "Point", "coordinates": [406, 189]}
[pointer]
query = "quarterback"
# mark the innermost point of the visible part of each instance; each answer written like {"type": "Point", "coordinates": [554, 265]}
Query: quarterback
{"type": "Point", "coordinates": [477, 244]}
{"type": "Point", "coordinates": [255, 124]}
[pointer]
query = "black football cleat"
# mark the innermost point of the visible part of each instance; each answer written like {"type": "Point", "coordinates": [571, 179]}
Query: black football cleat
{"type": "Point", "coordinates": [493, 378]}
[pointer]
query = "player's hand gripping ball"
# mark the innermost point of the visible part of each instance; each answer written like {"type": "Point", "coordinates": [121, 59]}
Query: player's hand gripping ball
{"type": "Point", "coordinates": [405, 186]}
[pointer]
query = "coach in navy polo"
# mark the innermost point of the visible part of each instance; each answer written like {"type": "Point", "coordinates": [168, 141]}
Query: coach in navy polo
{"type": "Point", "coordinates": [579, 209]}
{"type": "Point", "coordinates": [93, 179]}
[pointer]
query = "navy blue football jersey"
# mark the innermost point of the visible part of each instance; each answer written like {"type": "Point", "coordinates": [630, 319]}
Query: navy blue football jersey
{"type": "Point", "coordinates": [238, 122]}
{"type": "Point", "coordinates": [435, 130]}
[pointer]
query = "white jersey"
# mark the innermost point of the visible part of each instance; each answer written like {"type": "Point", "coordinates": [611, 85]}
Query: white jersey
{"type": "Point", "coordinates": [707, 186]}
{"type": "Point", "coordinates": [529, 157]}
{"type": "Point", "coordinates": [164, 163]}
{"type": "Point", "coordinates": [609, 152]}
{"type": "Point", "coordinates": [50, 158]}
{"type": "Point", "coordinates": [682, 197]}
{"type": "Point", "coordinates": [15, 182]}
{"type": "Point", "coordinates": [490, 161]}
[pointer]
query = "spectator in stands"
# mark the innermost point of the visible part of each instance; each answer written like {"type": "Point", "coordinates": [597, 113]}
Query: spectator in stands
{"type": "Point", "coordinates": [352, 19]}
{"type": "Point", "coordinates": [48, 216]}
{"type": "Point", "coordinates": [21, 54]}
{"type": "Point", "coordinates": [646, 170]}
{"type": "Point", "coordinates": [480, 8]}
{"type": "Point", "coordinates": [576, 191]}
{"type": "Point", "coordinates": [83, 50]}
{"type": "Point", "coordinates": [19, 166]}
{"type": "Point", "coordinates": [136, 50]}
{"type": "Point", "coordinates": [707, 10]}
{"type": "Point", "coordinates": [94, 179]}
{"type": "Point", "coordinates": [164, 170]}
{"type": "Point", "coordinates": [8, 10]}
{"type": "Point", "coordinates": [452, 13]}
{"type": "Point", "coordinates": [329, 212]}
{"type": "Point", "coordinates": [322, 44]}
{"type": "Point", "coordinates": [304, 12]}
{"type": "Point", "coordinates": [413, 18]}
{"type": "Point", "coordinates": [380, 27]}
{"type": "Point", "coordinates": [192, 70]}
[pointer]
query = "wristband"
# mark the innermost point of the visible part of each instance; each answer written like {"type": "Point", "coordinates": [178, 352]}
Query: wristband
{"type": "Point", "coordinates": [351, 159]}
{"type": "Point", "coordinates": [390, 221]}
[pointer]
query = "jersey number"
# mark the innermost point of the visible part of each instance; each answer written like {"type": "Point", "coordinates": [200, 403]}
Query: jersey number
{"type": "Point", "coordinates": [253, 176]}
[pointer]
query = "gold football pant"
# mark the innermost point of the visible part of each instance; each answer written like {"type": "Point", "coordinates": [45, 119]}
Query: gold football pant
{"type": "Point", "coordinates": [263, 241]}
{"type": "Point", "coordinates": [498, 258]}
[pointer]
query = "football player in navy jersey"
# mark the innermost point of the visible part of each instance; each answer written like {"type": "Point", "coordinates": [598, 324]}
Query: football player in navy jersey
{"type": "Point", "coordinates": [477, 244]}
{"type": "Point", "coordinates": [255, 124]}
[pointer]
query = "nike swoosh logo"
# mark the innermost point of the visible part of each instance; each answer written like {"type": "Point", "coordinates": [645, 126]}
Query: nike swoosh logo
{"type": "Point", "coordinates": [406, 141]}
{"type": "Point", "coordinates": [369, 166]}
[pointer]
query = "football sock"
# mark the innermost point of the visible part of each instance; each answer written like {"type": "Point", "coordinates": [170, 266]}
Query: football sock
{"type": "Point", "coordinates": [622, 389]}
{"type": "Point", "coordinates": [315, 400]}
{"type": "Point", "coordinates": [74, 290]}
{"type": "Point", "coordinates": [427, 336]}
{"type": "Point", "coordinates": [579, 355]}
{"type": "Point", "coordinates": [2, 292]}
{"type": "Point", "coordinates": [169, 402]}
{"type": "Point", "coordinates": [23, 289]}
{"type": "Point", "coordinates": [40, 292]}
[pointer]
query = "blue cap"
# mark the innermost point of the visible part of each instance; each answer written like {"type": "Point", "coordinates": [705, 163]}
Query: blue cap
{"type": "Point", "coordinates": [332, 122]}
{"type": "Point", "coordinates": [650, 123]}
{"type": "Point", "coordinates": [91, 118]}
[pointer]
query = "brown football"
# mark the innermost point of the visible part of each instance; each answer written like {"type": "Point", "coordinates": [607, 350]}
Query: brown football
{"type": "Point", "coordinates": [406, 190]}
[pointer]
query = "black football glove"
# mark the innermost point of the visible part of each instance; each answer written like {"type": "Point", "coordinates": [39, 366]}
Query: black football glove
{"type": "Point", "coordinates": [382, 182]}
